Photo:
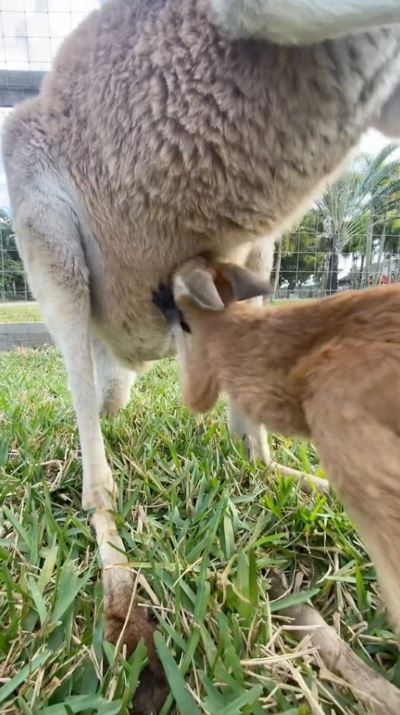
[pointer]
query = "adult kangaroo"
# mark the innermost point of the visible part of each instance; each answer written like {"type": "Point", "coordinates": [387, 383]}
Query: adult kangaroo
{"type": "Point", "coordinates": [167, 128]}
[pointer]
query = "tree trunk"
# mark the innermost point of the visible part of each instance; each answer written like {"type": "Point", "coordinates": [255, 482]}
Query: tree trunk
{"type": "Point", "coordinates": [353, 271]}
{"type": "Point", "coordinates": [278, 268]}
{"type": "Point", "coordinates": [368, 250]}
{"type": "Point", "coordinates": [333, 266]}
{"type": "Point", "coordinates": [361, 278]}
{"type": "Point", "coordinates": [381, 256]}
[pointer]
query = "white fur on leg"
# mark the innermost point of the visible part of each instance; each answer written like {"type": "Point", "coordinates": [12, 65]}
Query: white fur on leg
{"type": "Point", "coordinates": [253, 435]}
{"type": "Point", "coordinates": [113, 381]}
{"type": "Point", "coordinates": [111, 547]}
{"type": "Point", "coordinates": [98, 490]}
{"type": "Point", "coordinates": [291, 22]}
{"type": "Point", "coordinates": [52, 252]}
{"type": "Point", "coordinates": [67, 318]}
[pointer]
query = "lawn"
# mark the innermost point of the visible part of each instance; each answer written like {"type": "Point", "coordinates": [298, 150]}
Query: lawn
{"type": "Point", "coordinates": [20, 313]}
{"type": "Point", "coordinates": [202, 525]}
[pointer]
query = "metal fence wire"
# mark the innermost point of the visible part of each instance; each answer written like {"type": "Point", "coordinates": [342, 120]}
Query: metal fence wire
{"type": "Point", "coordinates": [32, 30]}
{"type": "Point", "coordinates": [312, 261]}
{"type": "Point", "coordinates": [309, 273]}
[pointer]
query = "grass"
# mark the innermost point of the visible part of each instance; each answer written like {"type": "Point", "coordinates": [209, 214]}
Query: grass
{"type": "Point", "coordinates": [20, 313]}
{"type": "Point", "coordinates": [201, 525]}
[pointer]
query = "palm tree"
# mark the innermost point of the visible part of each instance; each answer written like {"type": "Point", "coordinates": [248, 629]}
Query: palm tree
{"type": "Point", "coordinates": [359, 201]}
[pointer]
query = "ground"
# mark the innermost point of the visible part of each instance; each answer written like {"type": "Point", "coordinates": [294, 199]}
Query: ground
{"type": "Point", "coordinates": [202, 528]}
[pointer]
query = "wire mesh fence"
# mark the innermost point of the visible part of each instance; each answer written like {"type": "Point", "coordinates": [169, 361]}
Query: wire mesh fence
{"type": "Point", "coordinates": [310, 265]}
{"type": "Point", "coordinates": [13, 283]}
{"type": "Point", "coordinates": [32, 30]}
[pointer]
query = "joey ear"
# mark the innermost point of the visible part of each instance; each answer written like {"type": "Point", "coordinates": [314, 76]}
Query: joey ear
{"type": "Point", "coordinates": [198, 285]}
{"type": "Point", "coordinates": [244, 283]}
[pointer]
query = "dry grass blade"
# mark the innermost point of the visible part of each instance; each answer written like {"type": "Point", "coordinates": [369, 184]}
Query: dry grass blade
{"type": "Point", "coordinates": [378, 694]}
{"type": "Point", "coordinates": [308, 482]}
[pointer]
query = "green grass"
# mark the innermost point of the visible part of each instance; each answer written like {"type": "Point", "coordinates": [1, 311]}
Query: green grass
{"type": "Point", "coordinates": [201, 524]}
{"type": "Point", "coordinates": [20, 313]}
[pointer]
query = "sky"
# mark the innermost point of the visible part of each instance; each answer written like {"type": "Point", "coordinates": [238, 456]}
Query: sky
{"type": "Point", "coordinates": [373, 142]}
{"type": "Point", "coordinates": [31, 32]}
